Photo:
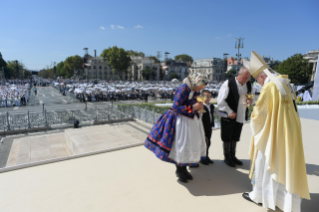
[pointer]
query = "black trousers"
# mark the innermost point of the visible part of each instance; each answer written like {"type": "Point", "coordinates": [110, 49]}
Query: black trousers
{"type": "Point", "coordinates": [208, 143]}
{"type": "Point", "coordinates": [230, 130]}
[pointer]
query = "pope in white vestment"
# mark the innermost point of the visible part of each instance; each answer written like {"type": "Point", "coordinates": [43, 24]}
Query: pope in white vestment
{"type": "Point", "coordinates": [278, 169]}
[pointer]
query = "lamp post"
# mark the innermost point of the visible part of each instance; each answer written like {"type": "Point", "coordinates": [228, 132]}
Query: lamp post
{"type": "Point", "coordinates": [239, 44]}
{"type": "Point", "coordinates": [54, 69]}
{"type": "Point", "coordinates": [17, 68]}
{"type": "Point", "coordinates": [150, 68]}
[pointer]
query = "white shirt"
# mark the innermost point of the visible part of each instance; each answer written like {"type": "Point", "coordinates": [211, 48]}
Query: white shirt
{"type": "Point", "coordinates": [216, 112]}
{"type": "Point", "coordinates": [223, 106]}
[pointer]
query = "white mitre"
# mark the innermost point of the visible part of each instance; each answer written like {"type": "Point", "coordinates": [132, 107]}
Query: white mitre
{"type": "Point", "coordinates": [258, 65]}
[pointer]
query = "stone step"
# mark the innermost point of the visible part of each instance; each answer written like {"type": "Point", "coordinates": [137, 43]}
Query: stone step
{"type": "Point", "coordinates": [103, 137]}
{"type": "Point", "coordinates": [76, 141]}
{"type": "Point", "coordinates": [36, 148]}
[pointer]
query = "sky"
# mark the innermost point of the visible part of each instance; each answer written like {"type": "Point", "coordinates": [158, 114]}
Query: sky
{"type": "Point", "coordinates": [40, 32]}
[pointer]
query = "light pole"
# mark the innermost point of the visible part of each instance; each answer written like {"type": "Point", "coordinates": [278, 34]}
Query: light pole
{"type": "Point", "coordinates": [54, 69]}
{"type": "Point", "coordinates": [239, 44]}
{"type": "Point", "coordinates": [166, 55]}
{"type": "Point", "coordinates": [17, 68]}
{"type": "Point", "coordinates": [150, 68]}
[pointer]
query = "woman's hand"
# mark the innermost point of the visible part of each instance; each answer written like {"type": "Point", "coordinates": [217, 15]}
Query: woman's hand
{"type": "Point", "coordinates": [198, 106]}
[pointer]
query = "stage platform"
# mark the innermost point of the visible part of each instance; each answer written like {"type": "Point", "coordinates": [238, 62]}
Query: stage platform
{"type": "Point", "coordinates": [133, 179]}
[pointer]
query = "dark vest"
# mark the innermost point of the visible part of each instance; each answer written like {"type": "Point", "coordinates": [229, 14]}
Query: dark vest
{"type": "Point", "coordinates": [233, 95]}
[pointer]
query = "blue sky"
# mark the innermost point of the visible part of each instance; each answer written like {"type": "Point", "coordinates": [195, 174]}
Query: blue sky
{"type": "Point", "coordinates": [38, 32]}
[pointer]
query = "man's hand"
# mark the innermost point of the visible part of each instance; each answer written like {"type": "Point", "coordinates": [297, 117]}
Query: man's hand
{"type": "Point", "coordinates": [232, 115]}
{"type": "Point", "coordinates": [198, 106]}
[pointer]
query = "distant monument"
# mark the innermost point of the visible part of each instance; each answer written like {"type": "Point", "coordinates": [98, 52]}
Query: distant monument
{"type": "Point", "coordinates": [315, 95]}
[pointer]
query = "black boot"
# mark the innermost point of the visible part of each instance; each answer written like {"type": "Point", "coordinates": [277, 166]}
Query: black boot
{"type": "Point", "coordinates": [187, 174]}
{"type": "Point", "coordinates": [204, 161]}
{"type": "Point", "coordinates": [209, 160]}
{"type": "Point", "coordinates": [233, 153]}
{"type": "Point", "coordinates": [228, 160]}
{"type": "Point", "coordinates": [181, 174]}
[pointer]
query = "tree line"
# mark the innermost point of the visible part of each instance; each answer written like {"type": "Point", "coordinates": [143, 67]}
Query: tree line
{"type": "Point", "coordinates": [10, 69]}
{"type": "Point", "coordinates": [118, 58]}
{"type": "Point", "coordinates": [296, 67]}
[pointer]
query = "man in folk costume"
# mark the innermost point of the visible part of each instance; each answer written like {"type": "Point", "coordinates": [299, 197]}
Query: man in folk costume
{"type": "Point", "coordinates": [178, 135]}
{"type": "Point", "coordinates": [232, 100]}
{"type": "Point", "coordinates": [278, 170]}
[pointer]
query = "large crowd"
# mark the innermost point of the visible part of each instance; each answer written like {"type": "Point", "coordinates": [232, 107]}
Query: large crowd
{"type": "Point", "coordinates": [12, 95]}
{"type": "Point", "coordinates": [113, 91]}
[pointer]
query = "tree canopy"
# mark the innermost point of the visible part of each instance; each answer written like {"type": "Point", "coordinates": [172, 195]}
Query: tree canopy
{"type": "Point", "coordinates": [11, 70]}
{"type": "Point", "coordinates": [2, 62]}
{"type": "Point", "coordinates": [230, 73]}
{"type": "Point", "coordinates": [135, 53]}
{"type": "Point", "coordinates": [118, 58]}
{"type": "Point", "coordinates": [297, 69]}
{"type": "Point", "coordinates": [184, 57]}
{"type": "Point", "coordinates": [173, 76]}
{"type": "Point", "coordinates": [72, 63]}
{"type": "Point", "coordinates": [60, 70]}
{"type": "Point", "coordinates": [147, 72]}
{"type": "Point", "coordinates": [155, 59]}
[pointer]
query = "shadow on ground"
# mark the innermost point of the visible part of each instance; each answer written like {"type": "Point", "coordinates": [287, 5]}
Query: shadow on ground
{"type": "Point", "coordinates": [312, 169]}
{"type": "Point", "coordinates": [219, 179]}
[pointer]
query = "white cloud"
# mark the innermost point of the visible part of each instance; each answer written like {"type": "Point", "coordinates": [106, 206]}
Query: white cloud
{"type": "Point", "coordinates": [229, 35]}
{"type": "Point", "coordinates": [102, 28]}
{"type": "Point", "coordinates": [112, 26]}
{"type": "Point", "coordinates": [139, 26]}
{"type": "Point", "coordinates": [120, 27]}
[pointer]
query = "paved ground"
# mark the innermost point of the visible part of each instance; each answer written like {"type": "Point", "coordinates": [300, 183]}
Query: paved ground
{"type": "Point", "coordinates": [309, 114]}
{"type": "Point", "coordinates": [135, 180]}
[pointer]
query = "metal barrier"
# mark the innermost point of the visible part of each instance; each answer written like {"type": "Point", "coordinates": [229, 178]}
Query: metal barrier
{"type": "Point", "coordinates": [32, 120]}
{"type": "Point", "coordinates": [149, 116]}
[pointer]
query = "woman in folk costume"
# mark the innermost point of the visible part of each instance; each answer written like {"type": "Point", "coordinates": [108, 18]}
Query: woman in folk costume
{"type": "Point", "coordinates": [178, 135]}
{"type": "Point", "coordinates": [278, 169]}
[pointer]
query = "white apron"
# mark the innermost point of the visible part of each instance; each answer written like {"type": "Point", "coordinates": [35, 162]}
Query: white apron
{"type": "Point", "coordinates": [189, 144]}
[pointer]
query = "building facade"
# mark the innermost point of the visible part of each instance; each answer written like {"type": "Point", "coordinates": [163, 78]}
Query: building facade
{"type": "Point", "coordinates": [178, 67]}
{"type": "Point", "coordinates": [232, 64]}
{"type": "Point", "coordinates": [214, 68]}
{"type": "Point", "coordinates": [312, 56]}
{"type": "Point", "coordinates": [96, 68]}
{"type": "Point", "coordinates": [139, 64]}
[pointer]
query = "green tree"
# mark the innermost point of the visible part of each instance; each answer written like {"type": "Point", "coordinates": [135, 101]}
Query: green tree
{"type": "Point", "coordinates": [184, 57]}
{"type": "Point", "coordinates": [134, 53]}
{"type": "Point", "coordinates": [156, 60]}
{"type": "Point", "coordinates": [147, 72]}
{"type": "Point", "coordinates": [231, 73]}
{"type": "Point", "coordinates": [118, 58]}
{"type": "Point", "coordinates": [72, 63]}
{"type": "Point", "coordinates": [275, 67]}
{"type": "Point", "coordinates": [296, 68]}
{"type": "Point", "coordinates": [11, 69]}
{"type": "Point", "coordinates": [60, 70]}
{"type": "Point", "coordinates": [2, 62]}
{"type": "Point", "coordinates": [173, 76]}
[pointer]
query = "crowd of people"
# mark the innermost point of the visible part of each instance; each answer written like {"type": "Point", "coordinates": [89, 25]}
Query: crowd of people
{"type": "Point", "coordinates": [13, 95]}
{"type": "Point", "coordinates": [113, 91]}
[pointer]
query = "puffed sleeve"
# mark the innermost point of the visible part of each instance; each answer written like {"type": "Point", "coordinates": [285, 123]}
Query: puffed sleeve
{"type": "Point", "coordinates": [180, 98]}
